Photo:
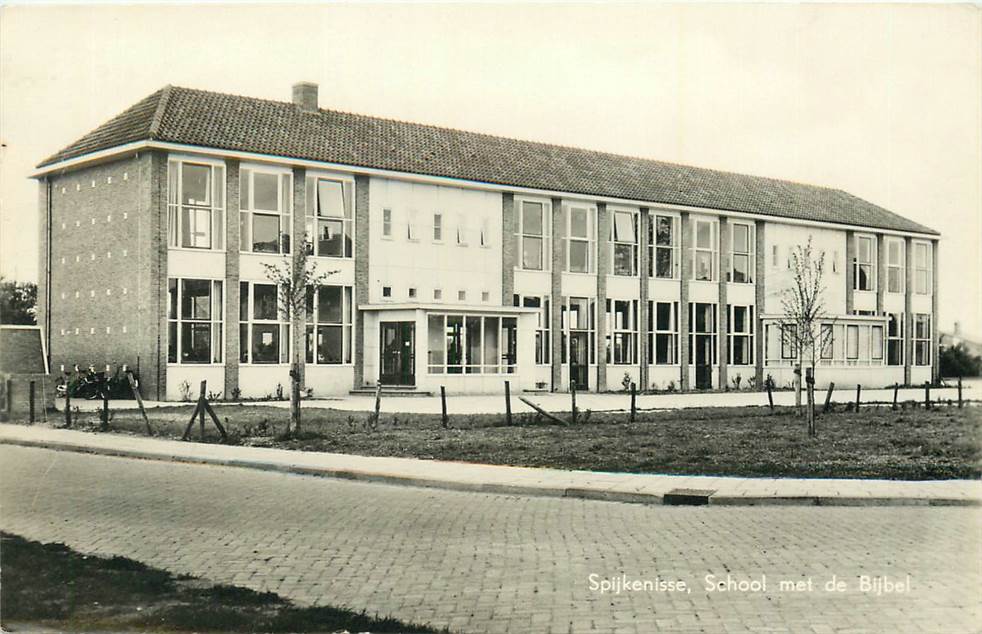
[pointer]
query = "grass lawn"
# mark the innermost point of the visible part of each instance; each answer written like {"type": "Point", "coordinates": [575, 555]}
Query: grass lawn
{"type": "Point", "coordinates": [910, 444]}
{"type": "Point", "coordinates": [52, 586]}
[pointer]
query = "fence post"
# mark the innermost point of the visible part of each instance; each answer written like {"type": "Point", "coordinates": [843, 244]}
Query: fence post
{"type": "Point", "coordinates": [68, 405]}
{"type": "Point", "coordinates": [828, 398]}
{"type": "Point", "coordinates": [959, 392]}
{"type": "Point", "coordinates": [9, 397]}
{"type": "Point", "coordinates": [859, 389]}
{"type": "Point", "coordinates": [634, 402]}
{"type": "Point", "coordinates": [378, 401]}
{"type": "Point", "coordinates": [30, 399]}
{"type": "Point", "coordinates": [572, 394]}
{"type": "Point", "coordinates": [104, 388]}
{"type": "Point", "coordinates": [443, 404]}
{"type": "Point", "coordinates": [927, 395]}
{"type": "Point", "coordinates": [896, 388]}
{"type": "Point", "coordinates": [508, 403]}
{"type": "Point", "coordinates": [770, 394]}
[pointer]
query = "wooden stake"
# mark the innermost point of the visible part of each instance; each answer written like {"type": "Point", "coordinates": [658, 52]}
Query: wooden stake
{"type": "Point", "coordinates": [927, 395]}
{"type": "Point", "coordinates": [959, 392]}
{"type": "Point", "coordinates": [507, 402]}
{"type": "Point", "coordinates": [9, 396]}
{"type": "Point", "coordinates": [68, 405]}
{"type": "Point", "coordinates": [378, 402]}
{"type": "Point", "coordinates": [200, 409]}
{"type": "Point", "coordinates": [104, 388]}
{"type": "Point", "coordinates": [828, 398]}
{"type": "Point", "coordinates": [443, 405]}
{"type": "Point", "coordinates": [30, 398]}
{"type": "Point", "coordinates": [542, 411]}
{"type": "Point", "coordinates": [896, 389]}
{"type": "Point", "coordinates": [634, 399]}
{"type": "Point", "coordinates": [859, 389]}
{"type": "Point", "coordinates": [770, 393]}
{"type": "Point", "coordinates": [572, 393]}
{"type": "Point", "coordinates": [139, 401]}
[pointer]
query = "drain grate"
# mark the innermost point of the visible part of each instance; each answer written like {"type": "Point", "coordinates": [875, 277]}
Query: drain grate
{"type": "Point", "coordinates": [688, 497]}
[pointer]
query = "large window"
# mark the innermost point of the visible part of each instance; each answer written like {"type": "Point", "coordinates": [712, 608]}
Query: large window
{"type": "Point", "coordinates": [852, 342]}
{"type": "Point", "coordinates": [471, 344]}
{"type": "Point", "coordinates": [704, 249]}
{"type": "Point", "coordinates": [194, 318]}
{"type": "Point", "coordinates": [578, 318]}
{"type": "Point", "coordinates": [330, 216]}
{"type": "Point", "coordinates": [533, 234]}
{"type": "Point", "coordinates": [663, 333]}
{"type": "Point", "coordinates": [922, 268]}
{"type": "Point", "coordinates": [542, 326]}
{"type": "Point", "coordinates": [895, 265]}
{"type": "Point", "coordinates": [864, 266]}
{"type": "Point", "coordinates": [622, 331]}
{"type": "Point", "coordinates": [264, 333]}
{"type": "Point", "coordinates": [663, 259]}
{"type": "Point", "coordinates": [624, 241]}
{"type": "Point", "coordinates": [266, 204]}
{"type": "Point", "coordinates": [895, 339]}
{"type": "Point", "coordinates": [330, 314]}
{"type": "Point", "coordinates": [789, 341]}
{"type": "Point", "coordinates": [702, 327]}
{"type": "Point", "coordinates": [582, 237]}
{"type": "Point", "coordinates": [742, 253]}
{"type": "Point", "coordinates": [195, 205]}
{"type": "Point", "coordinates": [740, 328]}
{"type": "Point", "coordinates": [922, 339]}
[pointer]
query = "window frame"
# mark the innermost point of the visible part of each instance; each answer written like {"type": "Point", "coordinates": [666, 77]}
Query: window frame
{"type": "Point", "coordinates": [899, 267]}
{"type": "Point", "coordinates": [671, 333]}
{"type": "Point", "coordinates": [437, 228]}
{"type": "Point", "coordinates": [615, 242]}
{"type": "Point", "coordinates": [590, 240]}
{"type": "Point", "coordinates": [217, 185]}
{"type": "Point", "coordinates": [543, 328]}
{"type": "Point", "coordinates": [672, 248]}
{"type": "Point", "coordinates": [216, 324]}
{"type": "Point", "coordinates": [733, 335]}
{"type": "Point", "coordinates": [895, 341]}
{"type": "Point", "coordinates": [386, 223]}
{"type": "Point", "coordinates": [713, 333]}
{"type": "Point", "coordinates": [712, 250]}
{"type": "Point", "coordinates": [347, 219]}
{"type": "Point", "coordinates": [523, 234]}
{"type": "Point", "coordinates": [629, 333]}
{"type": "Point", "coordinates": [248, 211]}
{"type": "Point", "coordinates": [921, 342]}
{"type": "Point", "coordinates": [858, 264]}
{"type": "Point", "coordinates": [506, 347]}
{"type": "Point", "coordinates": [926, 247]}
{"type": "Point", "coordinates": [314, 324]}
{"type": "Point", "coordinates": [749, 253]}
{"type": "Point", "coordinates": [566, 329]}
{"type": "Point", "coordinates": [285, 343]}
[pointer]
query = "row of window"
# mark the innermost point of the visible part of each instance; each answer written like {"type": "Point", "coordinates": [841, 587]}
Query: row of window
{"type": "Point", "coordinates": [864, 271]}
{"type": "Point", "coordinates": [412, 293]}
{"type": "Point", "coordinates": [196, 318]}
{"type": "Point", "coordinates": [862, 342]}
{"type": "Point", "coordinates": [410, 228]}
{"type": "Point", "coordinates": [471, 344]}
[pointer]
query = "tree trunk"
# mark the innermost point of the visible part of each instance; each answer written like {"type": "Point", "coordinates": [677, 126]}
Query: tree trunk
{"type": "Point", "coordinates": [810, 386]}
{"type": "Point", "coordinates": [797, 388]}
{"type": "Point", "coordinates": [295, 398]}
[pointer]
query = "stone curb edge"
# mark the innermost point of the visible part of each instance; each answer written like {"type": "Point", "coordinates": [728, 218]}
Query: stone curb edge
{"type": "Point", "coordinates": [501, 489]}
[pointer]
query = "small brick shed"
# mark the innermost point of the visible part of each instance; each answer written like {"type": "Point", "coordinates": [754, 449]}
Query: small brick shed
{"type": "Point", "coordinates": [22, 361]}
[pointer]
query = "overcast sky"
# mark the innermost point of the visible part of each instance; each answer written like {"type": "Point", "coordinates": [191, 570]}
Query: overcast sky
{"type": "Point", "coordinates": [882, 101]}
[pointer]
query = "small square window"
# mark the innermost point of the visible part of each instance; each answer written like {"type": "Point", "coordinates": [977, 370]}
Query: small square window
{"type": "Point", "coordinates": [437, 294]}
{"type": "Point", "coordinates": [386, 291]}
{"type": "Point", "coordinates": [412, 293]}
{"type": "Point", "coordinates": [485, 296]}
{"type": "Point", "coordinates": [461, 295]}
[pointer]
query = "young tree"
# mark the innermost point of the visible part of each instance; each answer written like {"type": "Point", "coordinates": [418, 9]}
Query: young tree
{"type": "Point", "coordinates": [296, 277]}
{"type": "Point", "coordinates": [18, 302]}
{"type": "Point", "coordinates": [805, 326]}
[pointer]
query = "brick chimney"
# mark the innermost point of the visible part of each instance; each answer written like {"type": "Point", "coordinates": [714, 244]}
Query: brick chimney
{"type": "Point", "coordinates": [305, 96]}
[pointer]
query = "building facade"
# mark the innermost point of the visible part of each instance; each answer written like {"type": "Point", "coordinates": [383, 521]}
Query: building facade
{"type": "Point", "coordinates": [455, 259]}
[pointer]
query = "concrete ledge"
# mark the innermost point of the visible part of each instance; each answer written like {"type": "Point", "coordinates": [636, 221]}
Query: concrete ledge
{"type": "Point", "coordinates": [503, 480]}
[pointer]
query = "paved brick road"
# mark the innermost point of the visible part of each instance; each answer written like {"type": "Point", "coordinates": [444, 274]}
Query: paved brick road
{"type": "Point", "coordinates": [487, 563]}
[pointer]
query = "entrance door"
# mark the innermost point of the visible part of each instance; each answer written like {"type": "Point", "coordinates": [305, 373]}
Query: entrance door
{"type": "Point", "coordinates": [398, 353]}
{"type": "Point", "coordinates": [579, 359]}
{"type": "Point", "coordinates": [704, 358]}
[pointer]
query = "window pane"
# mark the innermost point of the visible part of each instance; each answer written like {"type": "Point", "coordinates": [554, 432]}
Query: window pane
{"type": "Point", "coordinates": [663, 349]}
{"type": "Point", "coordinates": [172, 342]}
{"type": "Point", "coordinates": [623, 259]}
{"type": "Point", "coordinates": [663, 233]}
{"type": "Point", "coordinates": [739, 319]}
{"type": "Point", "coordinates": [663, 262]}
{"type": "Point", "coordinates": [330, 198]}
{"type": "Point", "coordinates": [704, 235]}
{"type": "Point", "coordinates": [663, 319]}
{"type": "Point", "coordinates": [704, 266]}
{"type": "Point", "coordinates": [741, 269]}
{"type": "Point", "coordinates": [579, 257]}
{"type": "Point", "coordinates": [264, 302]}
{"type": "Point", "coordinates": [329, 305]}
{"type": "Point", "coordinates": [491, 343]}
{"type": "Point", "coordinates": [437, 226]}
{"type": "Point", "coordinates": [195, 299]}
{"type": "Point", "coordinates": [195, 228]}
{"type": "Point", "coordinates": [330, 237]}
{"type": "Point", "coordinates": [435, 341]}
{"type": "Point", "coordinates": [877, 342]}
{"type": "Point", "coordinates": [578, 223]}
{"type": "Point", "coordinates": [532, 253]}
{"type": "Point", "coordinates": [624, 227]}
{"type": "Point", "coordinates": [454, 339]}
{"type": "Point", "coordinates": [893, 252]}
{"type": "Point", "coordinates": [195, 185]}
{"type": "Point", "coordinates": [852, 342]}
{"type": "Point", "coordinates": [473, 343]}
{"type": "Point", "coordinates": [329, 347]}
{"type": "Point", "coordinates": [532, 218]}
{"type": "Point", "coordinates": [172, 299]}
{"type": "Point", "coordinates": [195, 342]}
{"type": "Point", "coordinates": [265, 343]}
{"type": "Point", "coordinates": [265, 233]}
{"type": "Point", "coordinates": [741, 238]}
{"type": "Point", "coordinates": [265, 191]}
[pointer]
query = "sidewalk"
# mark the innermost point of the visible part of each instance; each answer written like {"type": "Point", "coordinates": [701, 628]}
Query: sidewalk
{"type": "Point", "coordinates": [615, 487]}
{"type": "Point", "coordinates": [557, 402]}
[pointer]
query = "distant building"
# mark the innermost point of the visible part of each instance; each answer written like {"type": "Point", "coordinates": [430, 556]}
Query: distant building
{"type": "Point", "coordinates": [955, 338]}
{"type": "Point", "coordinates": [462, 259]}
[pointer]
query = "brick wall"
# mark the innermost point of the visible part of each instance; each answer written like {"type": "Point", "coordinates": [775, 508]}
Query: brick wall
{"type": "Point", "coordinates": [104, 292]}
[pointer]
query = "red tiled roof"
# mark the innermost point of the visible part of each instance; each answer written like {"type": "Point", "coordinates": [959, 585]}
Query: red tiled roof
{"type": "Point", "coordinates": [230, 122]}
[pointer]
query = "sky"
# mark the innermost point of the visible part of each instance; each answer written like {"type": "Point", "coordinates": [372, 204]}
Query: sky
{"type": "Point", "coordinates": [884, 101]}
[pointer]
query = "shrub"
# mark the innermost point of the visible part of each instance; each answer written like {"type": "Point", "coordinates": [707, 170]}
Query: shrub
{"type": "Point", "coordinates": [958, 361]}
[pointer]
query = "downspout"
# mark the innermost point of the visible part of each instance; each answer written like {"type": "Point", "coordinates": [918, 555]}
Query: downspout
{"type": "Point", "coordinates": [47, 271]}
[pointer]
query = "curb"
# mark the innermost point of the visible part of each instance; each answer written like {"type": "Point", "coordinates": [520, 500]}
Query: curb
{"type": "Point", "coordinates": [493, 488]}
